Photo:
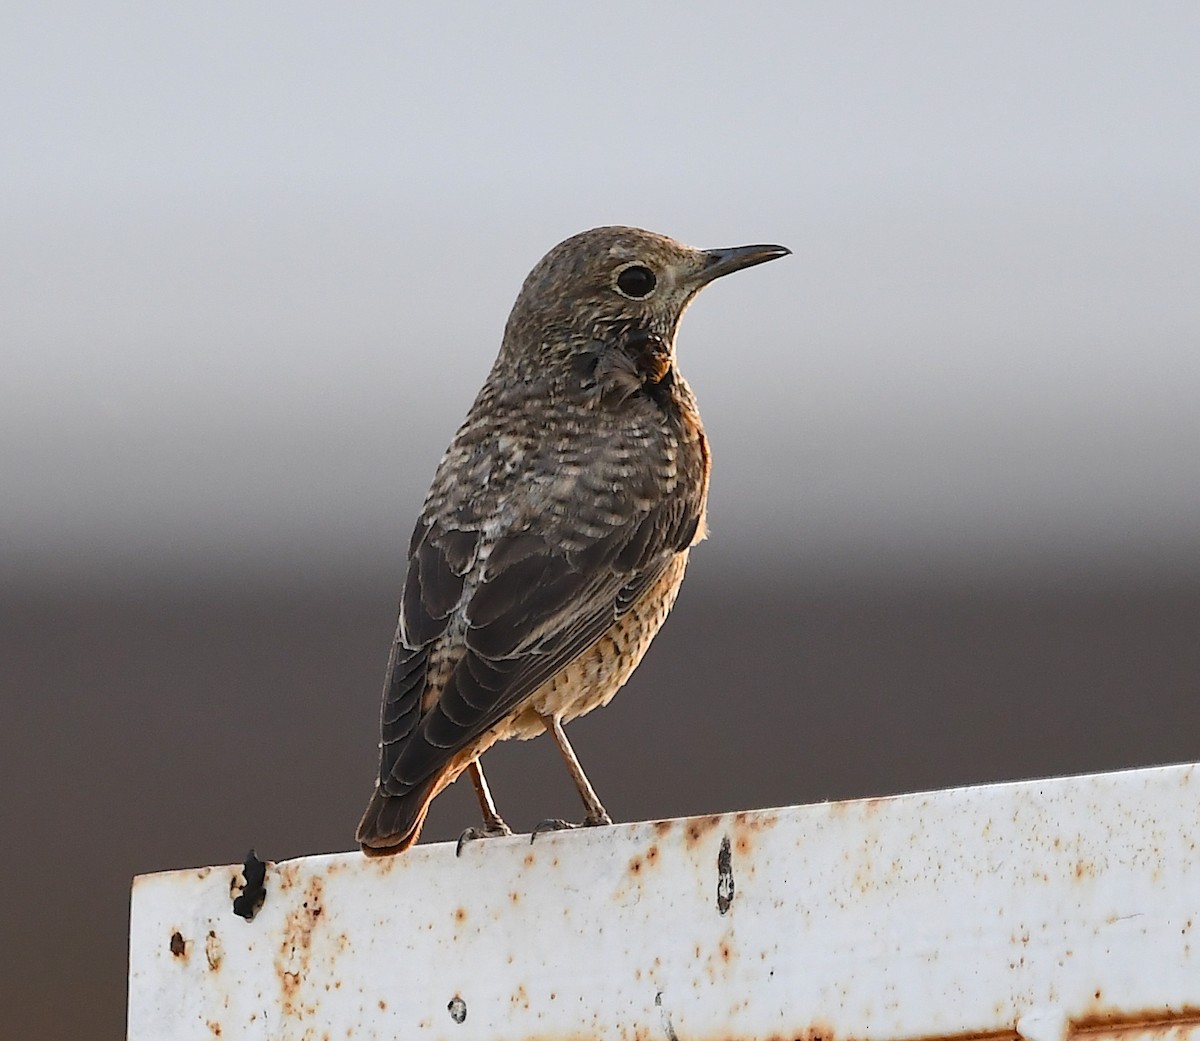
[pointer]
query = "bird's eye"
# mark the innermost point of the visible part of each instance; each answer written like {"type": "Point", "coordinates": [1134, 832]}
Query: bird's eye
{"type": "Point", "coordinates": [636, 281]}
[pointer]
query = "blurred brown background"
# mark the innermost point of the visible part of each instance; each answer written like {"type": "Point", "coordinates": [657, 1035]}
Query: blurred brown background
{"type": "Point", "coordinates": [159, 728]}
{"type": "Point", "coordinates": [254, 265]}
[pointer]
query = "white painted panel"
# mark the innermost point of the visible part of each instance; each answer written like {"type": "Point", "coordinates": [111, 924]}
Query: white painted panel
{"type": "Point", "coordinates": [1061, 908]}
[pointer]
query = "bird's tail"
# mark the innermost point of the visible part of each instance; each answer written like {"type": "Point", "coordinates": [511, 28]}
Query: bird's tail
{"type": "Point", "coordinates": [393, 822]}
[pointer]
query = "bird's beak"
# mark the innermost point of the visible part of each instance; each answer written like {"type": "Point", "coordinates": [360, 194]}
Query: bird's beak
{"type": "Point", "coordinates": [720, 262]}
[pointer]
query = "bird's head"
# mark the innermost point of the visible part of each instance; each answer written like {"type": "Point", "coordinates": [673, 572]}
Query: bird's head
{"type": "Point", "coordinates": [601, 283]}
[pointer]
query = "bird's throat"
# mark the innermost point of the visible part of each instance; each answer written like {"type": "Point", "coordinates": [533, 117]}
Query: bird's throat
{"type": "Point", "coordinates": [651, 355]}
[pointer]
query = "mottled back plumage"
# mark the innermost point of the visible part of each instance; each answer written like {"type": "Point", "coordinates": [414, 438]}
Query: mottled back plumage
{"type": "Point", "coordinates": [576, 483]}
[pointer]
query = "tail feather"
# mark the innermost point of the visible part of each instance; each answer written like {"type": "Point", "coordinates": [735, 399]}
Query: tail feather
{"type": "Point", "coordinates": [392, 823]}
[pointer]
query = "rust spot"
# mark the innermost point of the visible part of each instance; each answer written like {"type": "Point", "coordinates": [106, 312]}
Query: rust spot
{"type": "Point", "coordinates": [817, 1032]}
{"type": "Point", "coordinates": [214, 1027]}
{"type": "Point", "coordinates": [457, 1009]}
{"type": "Point", "coordinates": [178, 944]}
{"type": "Point", "coordinates": [652, 855]}
{"type": "Point", "coordinates": [295, 952]}
{"type": "Point", "coordinates": [663, 827]}
{"type": "Point", "coordinates": [530, 860]}
{"type": "Point", "coordinates": [698, 827]}
{"type": "Point", "coordinates": [515, 897]}
{"type": "Point", "coordinates": [1142, 1020]}
{"type": "Point", "coordinates": [289, 875]}
{"type": "Point", "coordinates": [757, 820]}
{"type": "Point", "coordinates": [635, 865]}
{"type": "Point", "coordinates": [382, 1005]}
{"type": "Point", "coordinates": [520, 997]}
{"type": "Point", "coordinates": [460, 915]}
{"type": "Point", "coordinates": [213, 951]}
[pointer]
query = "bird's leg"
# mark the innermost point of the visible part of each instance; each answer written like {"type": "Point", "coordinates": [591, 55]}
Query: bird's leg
{"type": "Point", "coordinates": [493, 823]}
{"type": "Point", "coordinates": [595, 812]}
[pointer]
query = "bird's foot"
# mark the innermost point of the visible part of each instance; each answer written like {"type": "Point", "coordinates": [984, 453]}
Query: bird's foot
{"type": "Point", "coordinates": [495, 830]}
{"type": "Point", "coordinates": [592, 820]}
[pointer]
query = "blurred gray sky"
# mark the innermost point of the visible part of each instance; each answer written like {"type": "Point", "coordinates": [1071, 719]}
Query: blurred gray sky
{"type": "Point", "coordinates": [257, 259]}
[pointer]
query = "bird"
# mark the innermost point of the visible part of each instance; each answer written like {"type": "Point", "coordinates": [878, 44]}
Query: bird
{"type": "Point", "coordinates": [554, 537]}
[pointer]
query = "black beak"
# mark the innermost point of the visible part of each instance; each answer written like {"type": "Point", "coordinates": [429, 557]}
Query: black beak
{"type": "Point", "coordinates": [724, 261]}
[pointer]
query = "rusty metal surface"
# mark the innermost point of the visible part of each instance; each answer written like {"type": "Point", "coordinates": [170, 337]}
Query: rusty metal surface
{"type": "Point", "coordinates": [1040, 910]}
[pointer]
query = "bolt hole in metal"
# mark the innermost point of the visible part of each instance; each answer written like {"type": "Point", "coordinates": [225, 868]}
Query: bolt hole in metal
{"type": "Point", "coordinates": [725, 888]}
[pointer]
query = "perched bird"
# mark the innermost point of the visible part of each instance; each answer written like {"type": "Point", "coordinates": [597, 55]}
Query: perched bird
{"type": "Point", "coordinates": [553, 541]}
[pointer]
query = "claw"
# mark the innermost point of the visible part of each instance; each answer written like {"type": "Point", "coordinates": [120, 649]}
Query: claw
{"type": "Point", "coordinates": [551, 824]}
{"type": "Point", "coordinates": [555, 824]}
{"type": "Point", "coordinates": [495, 831]}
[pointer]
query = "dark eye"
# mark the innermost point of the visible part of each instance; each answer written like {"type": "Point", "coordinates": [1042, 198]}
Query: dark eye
{"type": "Point", "coordinates": [636, 281]}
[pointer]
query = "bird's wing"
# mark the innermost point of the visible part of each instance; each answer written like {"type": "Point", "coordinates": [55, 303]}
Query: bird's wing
{"type": "Point", "coordinates": [533, 610]}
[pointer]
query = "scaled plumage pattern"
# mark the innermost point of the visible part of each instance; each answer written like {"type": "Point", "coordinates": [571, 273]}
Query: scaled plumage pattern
{"type": "Point", "coordinates": [555, 535]}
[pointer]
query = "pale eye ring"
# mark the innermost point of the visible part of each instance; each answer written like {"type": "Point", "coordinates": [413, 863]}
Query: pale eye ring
{"type": "Point", "coordinates": [635, 281]}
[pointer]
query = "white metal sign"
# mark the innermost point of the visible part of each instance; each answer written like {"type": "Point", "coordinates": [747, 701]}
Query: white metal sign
{"type": "Point", "coordinates": [1042, 909]}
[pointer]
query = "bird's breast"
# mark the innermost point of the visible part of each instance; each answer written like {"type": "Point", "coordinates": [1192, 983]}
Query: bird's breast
{"type": "Point", "coordinates": [592, 679]}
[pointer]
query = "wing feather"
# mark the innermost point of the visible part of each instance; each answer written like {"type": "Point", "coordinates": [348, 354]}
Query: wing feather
{"type": "Point", "coordinates": [533, 611]}
{"type": "Point", "coordinates": [407, 677]}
